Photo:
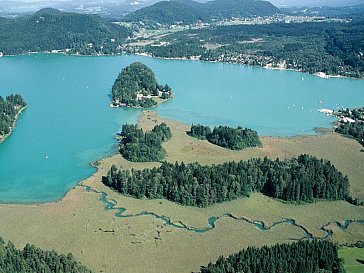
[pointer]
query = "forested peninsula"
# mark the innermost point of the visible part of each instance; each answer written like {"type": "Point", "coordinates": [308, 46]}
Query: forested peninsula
{"type": "Point", "coordinates": [32, 259]}
{"type": "Point", "coordinates": [299, 257]}
{"type": "Point", "coordinates": [301, 179]}
{"type": "Point", "coordinates": [10, 107]}
{"type": "Point", "coordinates": [136, 86]}
{"type": "Point", "coordinates": [227, 137]}
{"type": "Point", "coordinates": [351, 123]}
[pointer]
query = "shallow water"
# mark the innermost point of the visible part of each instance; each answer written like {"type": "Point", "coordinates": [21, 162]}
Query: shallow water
{"type": "Point", "coordinates": [69, 122]}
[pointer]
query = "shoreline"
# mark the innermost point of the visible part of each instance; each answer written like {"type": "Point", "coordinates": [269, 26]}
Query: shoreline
{"type": "Point", "coordinates": [4, 137]}
{"type": "Point", "coordinates": [100, 219]}
{"type": "Point", "coordinates": [192, 58]}
{"type": "Point", "coordinates": [319, 132]}
{"type": "Point", "coordinates": [197, 58]}
{"type": "Point", "coordinates": [158, 100]}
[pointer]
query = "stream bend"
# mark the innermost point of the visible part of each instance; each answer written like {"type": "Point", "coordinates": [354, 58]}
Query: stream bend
{"type": "Point", "coordinates": [110, 204]}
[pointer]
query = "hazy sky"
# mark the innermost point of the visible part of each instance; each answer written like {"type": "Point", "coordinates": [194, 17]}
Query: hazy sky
{"type": "Point", "coordinates": [275, 2]}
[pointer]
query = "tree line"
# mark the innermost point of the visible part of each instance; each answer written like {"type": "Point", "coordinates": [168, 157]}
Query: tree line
{"type": "Point", "coordinates": [227, 137]}
{"type": "Point", "coordinates": [298, 257]}
{"type": "Point", "coordinates": [139, 146]}
{"type": "Point", "coordinates": [301, 179]}
{"type": "Point", "coordinates": [32, 259]}
{"type": "Point", "coordinates": [9, 108]}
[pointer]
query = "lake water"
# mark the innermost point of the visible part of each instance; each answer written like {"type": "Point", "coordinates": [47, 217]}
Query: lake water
{"type": "Point", "coordinates": [69, 122]}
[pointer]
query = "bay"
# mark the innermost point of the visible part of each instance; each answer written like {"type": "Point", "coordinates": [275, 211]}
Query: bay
{"type": "Point", "coordinates": [69, 122]}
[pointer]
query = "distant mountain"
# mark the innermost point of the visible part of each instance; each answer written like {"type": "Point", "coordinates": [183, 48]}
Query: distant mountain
{"type": "Point", "coordinates": [240, 8]}
{"type": "Point", "coordinates": [169, 12]}
{"type": "Point", "coordinates": [188, 11]}
{"type": "Point", "coordinates": [315, 3]}
{"type": "Point", "coordinates": [347, 11]}
{"type": "Point", "coordinates": [51, 29]}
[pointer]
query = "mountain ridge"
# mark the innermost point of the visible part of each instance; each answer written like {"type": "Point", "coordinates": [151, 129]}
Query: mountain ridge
{"type": "Point", "coordinates": [188, 11]}
{"type": "Point", "coordinates": [51, 29]}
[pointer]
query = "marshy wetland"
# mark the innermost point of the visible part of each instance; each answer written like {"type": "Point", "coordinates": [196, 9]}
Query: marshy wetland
{"type": "Point", "coordinates": [110, 232]}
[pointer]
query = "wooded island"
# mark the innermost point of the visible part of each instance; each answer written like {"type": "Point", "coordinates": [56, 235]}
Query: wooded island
{"type": "Point", "coordinates": [136, 86]}
{"type": "Point", "coordinates": [227, 137]}
{"type": "Point", "coordinates": [137, 146]}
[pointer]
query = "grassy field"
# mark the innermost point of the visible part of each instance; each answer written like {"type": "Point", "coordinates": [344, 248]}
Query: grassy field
{"type": "Point", "coordinates": [343, 152]}
{"type": "Point", "coordinates": [79, 223]}
{"type": "Point", "coordinates": [350, 256]}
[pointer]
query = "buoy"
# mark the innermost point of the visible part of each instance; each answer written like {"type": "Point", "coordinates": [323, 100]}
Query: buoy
{"type": "Point", "coordinates": [46, 157]}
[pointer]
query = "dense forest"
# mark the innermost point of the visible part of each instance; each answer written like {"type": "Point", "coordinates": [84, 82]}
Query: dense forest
{"type": "Point", "coordinates": [50, 29]}
{"type": "Point", "coordinates": [136, 85]}
{"type": "Point", "coordinates": [32, 259]}
{"type": "Point", "coordinates": [188, 11]}
{"type": "Point", "coordinates": [301, 179]}
{"type": "Point", "coordinates": [227, 137]}
{"type": "Point", "coordinates": [9, 108]}
{"type": "Point", "coordinates": [298, 257]}
{"type": "Point", "coordinates": [352, 129]}
{"type": "Point", "coordinates": [137, 146]}
{"type": "Point", "coordinates": [332, 48]}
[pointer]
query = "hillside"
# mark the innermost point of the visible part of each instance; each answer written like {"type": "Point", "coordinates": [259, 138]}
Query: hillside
{"type": "Point", "coordinates": [50, 29]}
{"type": "Point", "coordinates": [222, 9]}
{"type": "Point", "coordinates": [347, 11]}
{"type": "Point", "coordinates": [188, 11]}
{"type": "Point", "coordinates": [332, 48]}
{"type": "Point", "coordinates": [168, 12]}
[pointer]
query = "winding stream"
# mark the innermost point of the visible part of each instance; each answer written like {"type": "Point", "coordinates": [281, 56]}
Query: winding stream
{"type": "Point", "coordinates": [110, 204]}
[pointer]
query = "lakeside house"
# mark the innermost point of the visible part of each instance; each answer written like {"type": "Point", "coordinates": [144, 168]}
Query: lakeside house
{"type": "Point", "coordinates": [341, 117]}
{"type": "Point", "coordinates": [346, 119]}
{"type": "Point", "coordinates": [328, 112]}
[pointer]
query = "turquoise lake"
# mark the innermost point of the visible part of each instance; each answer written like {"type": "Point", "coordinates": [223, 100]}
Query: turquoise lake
{"type": "Point", "coordinates": [69, 122]}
